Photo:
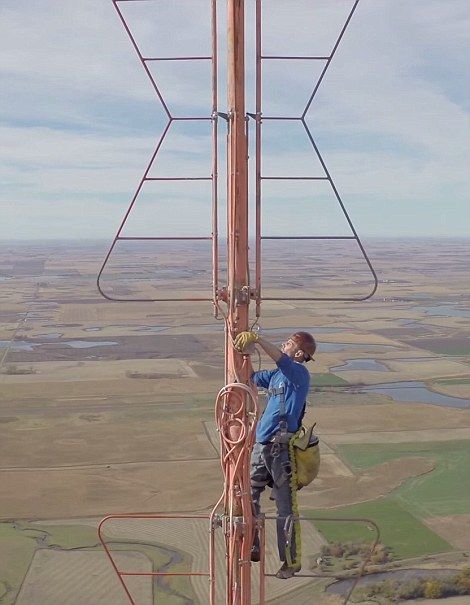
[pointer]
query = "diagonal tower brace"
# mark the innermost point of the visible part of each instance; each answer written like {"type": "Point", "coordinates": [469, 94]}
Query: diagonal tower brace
{"type": "Point", "coordinates": [171, 119]}
{"type": "Point", "coordinates": [259, 177]}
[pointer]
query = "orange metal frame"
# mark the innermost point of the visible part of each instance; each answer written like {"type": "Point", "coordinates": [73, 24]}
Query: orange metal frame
{"type": "Point", "coordinates": [236, 403]}
{"type": "Point", "coordinates": [123, 574]}
{"type": "Point", "coordinates": [216, 521]}
{"type": "Point", "coordinates": [213, 118]}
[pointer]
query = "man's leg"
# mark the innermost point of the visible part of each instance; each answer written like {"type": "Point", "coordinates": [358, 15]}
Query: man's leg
{"type": "Point", "coordinates": [286, 527]}
{"type": "Point", "coordinates": [260, 477]}
{"type": "Point", "coordinates": [285, 523]}
{"type": "Point", "coordinates": [255, 495]}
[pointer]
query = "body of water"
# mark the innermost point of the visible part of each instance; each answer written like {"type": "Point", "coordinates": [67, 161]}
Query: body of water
{"type": "Point", "coordinates": [288, 331]}
{"type": "Point", "coordinates": [50, 335]}
{"type": "Point", "coordinates": [151, 329]}
{"type": "Point", "coordinates": [17, 345]}
{"type": "Point", "coordinates": [88, 344]}
{"type": "Point", "coordinates": [448, 310]}
{"type": "Point", "coordinates": [361, 364]}
{"type": "Point", "coordinates": [417, 392]}
{"type": "Point", "coordinates": [22, 345]}
{"type": "Point", "coordinates": [331, 347]}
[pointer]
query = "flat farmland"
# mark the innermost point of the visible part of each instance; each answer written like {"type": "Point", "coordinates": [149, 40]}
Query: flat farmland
{"type": "Point", "coordinates": [107, 407]}
{"type": "Point", "coordinates": [74, 578]}
{"type": "Point", "coordinates": [399, 529]}
{"type": "Point", "coordinates": [444, 491]}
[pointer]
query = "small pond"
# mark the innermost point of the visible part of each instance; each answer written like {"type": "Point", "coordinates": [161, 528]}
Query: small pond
{"type": "Point", "coordinates": [448, 310]}
{"type": "Point", "coordinates": [17, 345]}
{"type": "Point", "coordinates": [416, 391]}
{"type": "Point", "coordinates": [361, 364]}
{"type": "Point", "coordinates": [331, 347]}
{"type": "Point", "coordinates": [288, 331]}
{"type": "Point", "coordinates": [22, 345]}
{"type": "Point", "coordinates": [88, 344]}
{"type": "Point", "coordinates": [50, 335]}
{"type": "Point", "coordinates": [151, 329]}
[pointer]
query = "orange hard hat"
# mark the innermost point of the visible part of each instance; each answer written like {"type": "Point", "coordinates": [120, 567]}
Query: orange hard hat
{"type": "Point", "coordinates": [306, 342]}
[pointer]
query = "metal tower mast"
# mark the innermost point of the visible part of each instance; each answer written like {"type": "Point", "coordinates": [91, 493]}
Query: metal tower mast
{"type": "Point", "coordinates": [236, 403]}
{"type": "Point", "coordinates": [238, 368]}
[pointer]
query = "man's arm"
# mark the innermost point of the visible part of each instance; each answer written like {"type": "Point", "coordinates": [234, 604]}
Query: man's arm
{"type": "Point", "coordinates": [243, 341]}
{"type": "Point", "coordinates": [274, 352]}
{"type": "Point", "coordinates": [295, 372]}
{"type": "Point", "coordinates": [262, 378]}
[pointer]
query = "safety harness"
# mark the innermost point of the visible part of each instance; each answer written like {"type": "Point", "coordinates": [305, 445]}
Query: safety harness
{"type": "Point", "coordinates": [282, 435]}
{"type": "Point", "coordinates": [304, 457]}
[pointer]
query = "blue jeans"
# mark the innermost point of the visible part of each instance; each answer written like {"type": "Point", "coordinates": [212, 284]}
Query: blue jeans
{"type": "Point", "coordinates": [270, 466]}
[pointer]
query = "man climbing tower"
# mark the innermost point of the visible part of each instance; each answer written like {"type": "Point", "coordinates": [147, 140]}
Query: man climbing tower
{"type": "Point", "coordinates": [287, 388]}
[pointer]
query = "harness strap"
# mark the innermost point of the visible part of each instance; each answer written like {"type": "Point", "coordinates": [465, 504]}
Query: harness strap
{"type": "Point", "coordinates": [282, 406]}
{"type": "Point", "coordinates": [285, 436]}
{"type": "Point", "coordinates": [295, 514]}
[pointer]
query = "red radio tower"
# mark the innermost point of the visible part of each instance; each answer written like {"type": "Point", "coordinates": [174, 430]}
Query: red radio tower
{"type": "Point", "coordinates": [236, 404]}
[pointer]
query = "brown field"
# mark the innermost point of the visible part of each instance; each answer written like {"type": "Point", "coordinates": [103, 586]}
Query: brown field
{"type": "Point", "coordinates": [74, 578]}
{"type": "Point", "coordinates": [332, 488]}
{"type": "Point", "coordinates": [455, 529]}
{"type": "Point", "coordinates": [191, 537]}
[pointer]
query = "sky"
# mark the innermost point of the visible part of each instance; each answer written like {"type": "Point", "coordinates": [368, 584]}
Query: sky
{"type": "Point", "coordinates": [79, 119]}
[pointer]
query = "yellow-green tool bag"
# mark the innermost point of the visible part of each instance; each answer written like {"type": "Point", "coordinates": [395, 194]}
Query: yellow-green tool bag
{"type": "Point", "coordinates": [306, 452]}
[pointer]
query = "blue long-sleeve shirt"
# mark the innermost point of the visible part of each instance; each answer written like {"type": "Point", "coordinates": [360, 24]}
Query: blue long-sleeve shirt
{"type": "Point", "coordinates": [295, 379]}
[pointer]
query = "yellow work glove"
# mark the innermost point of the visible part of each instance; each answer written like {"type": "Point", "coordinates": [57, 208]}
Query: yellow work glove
{"type": "Point", "coordinates": [244, 339]}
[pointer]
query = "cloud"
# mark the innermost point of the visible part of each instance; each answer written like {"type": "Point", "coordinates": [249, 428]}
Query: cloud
{"type": "Point", "coordinates": [80, 118]}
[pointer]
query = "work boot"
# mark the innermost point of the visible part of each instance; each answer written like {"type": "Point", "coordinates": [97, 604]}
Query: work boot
{"type": "Point", "coordinates": [287, 572]}
{"type": "Point", "coordinates": [255, 556]}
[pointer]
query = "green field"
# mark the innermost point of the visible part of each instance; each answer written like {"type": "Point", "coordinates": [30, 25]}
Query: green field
{"type": "Point", "coordinates": [21, 540]}
{"type": "Point", "coordinates": [327, 380]}
{"type": "Point", "coordinates": [399, 529]}
{"type": "Point", "coordinates": [444, 491]}
{"type": "Point", "coordinates": [450, 350]}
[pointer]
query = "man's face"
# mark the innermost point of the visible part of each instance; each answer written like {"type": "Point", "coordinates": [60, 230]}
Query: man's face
{"type": "Point", "coordinates": [292, 350]}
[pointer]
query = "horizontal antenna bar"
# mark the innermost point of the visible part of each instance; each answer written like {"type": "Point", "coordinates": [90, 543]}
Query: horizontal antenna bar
{"type": "Point", "coordinates": [319, 298]}
{"type": "Point", "coordinates": [294, 178]}
{"type": "Point", "coordinates": [308, 237]}
{"type": "Point", "coordinates": [163, 238]}
{"type": "Point", "coordinates": [282, 57]}
{"type": "Point", "coordinates": [155, 299]}
{"type": "Point", "coordinates": [167, 573]}
{"type": "Point", "coordinates": [280, 118]}
{"type": "Point", "coordinates": [178, 178]}
{"type": "Point", "coordinates": [176, 58]}
{"type": "Point", "coordinates": [188, 118]}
